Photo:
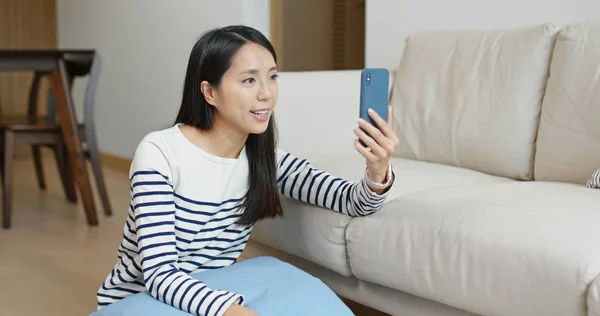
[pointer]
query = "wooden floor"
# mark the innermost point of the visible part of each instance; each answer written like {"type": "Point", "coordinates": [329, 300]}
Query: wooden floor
{"type": "Point", "coordinates": [51, 261]}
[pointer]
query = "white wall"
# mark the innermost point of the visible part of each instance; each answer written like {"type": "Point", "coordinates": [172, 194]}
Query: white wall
{"type": "Point", "coordinates": [388, 22]}
{"type": "Point", "coordinates": [145, 46]}
{"type": "Point", "coordinates": [257, 13]}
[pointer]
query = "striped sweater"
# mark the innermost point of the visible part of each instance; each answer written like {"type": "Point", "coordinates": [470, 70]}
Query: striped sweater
{"type": "Point", "coordinates": [182, 219]}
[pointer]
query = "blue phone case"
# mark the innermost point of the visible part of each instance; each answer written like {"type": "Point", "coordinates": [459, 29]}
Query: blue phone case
{"type": "Point", "coordinates": [374, 89]}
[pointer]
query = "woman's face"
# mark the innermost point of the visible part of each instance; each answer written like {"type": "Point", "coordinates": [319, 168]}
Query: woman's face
{"type": "Point", "coordinates": [247, 95]}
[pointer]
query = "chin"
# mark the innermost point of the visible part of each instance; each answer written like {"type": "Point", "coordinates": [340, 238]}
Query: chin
{"type": "Point", "coordinates": [258, 129]}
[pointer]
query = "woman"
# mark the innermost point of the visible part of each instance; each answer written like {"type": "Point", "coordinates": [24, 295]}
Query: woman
{"type": "Point", "coordinates": [198, 187]}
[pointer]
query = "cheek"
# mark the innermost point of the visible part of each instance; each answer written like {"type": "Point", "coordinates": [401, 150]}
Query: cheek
{"type": "Point", "coordinates": [274, 93]}
{"type": "Point", "coordinates": [234, 100]}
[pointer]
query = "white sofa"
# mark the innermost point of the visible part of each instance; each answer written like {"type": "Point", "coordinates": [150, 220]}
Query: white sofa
{"type": "Point", "coordinates": [499, 130]}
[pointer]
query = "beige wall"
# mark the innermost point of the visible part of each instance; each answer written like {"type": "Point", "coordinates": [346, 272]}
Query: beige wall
{"type": "Point", "coordinates": [320, 34]}
{"type": "Point", "coordinates": [24, 24]}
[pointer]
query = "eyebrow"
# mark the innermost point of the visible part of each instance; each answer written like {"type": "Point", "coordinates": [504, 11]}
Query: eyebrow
{"type": "Point", "coordinates": [255, 71]}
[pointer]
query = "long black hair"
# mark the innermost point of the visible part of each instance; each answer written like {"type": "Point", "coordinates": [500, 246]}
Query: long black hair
{"type": "Point", "coordinates": [210, 58]}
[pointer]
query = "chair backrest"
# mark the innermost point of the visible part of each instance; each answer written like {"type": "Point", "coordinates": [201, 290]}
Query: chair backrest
{"type": "Point", "coordinates": [80, 66]}
{"type": "Point", "coordinates": [34, 88]}
{"type": "Point", "coordinates": [90, 91]}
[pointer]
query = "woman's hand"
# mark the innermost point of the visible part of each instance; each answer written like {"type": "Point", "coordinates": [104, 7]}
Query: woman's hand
{"type": "Point", "coordinates": [380, 146]}
{"type": "Point", "coordinates": [239, 310]}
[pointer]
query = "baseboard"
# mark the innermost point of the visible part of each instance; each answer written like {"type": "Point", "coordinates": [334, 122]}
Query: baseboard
{"type": "Point", "coordinates": [114, 162]}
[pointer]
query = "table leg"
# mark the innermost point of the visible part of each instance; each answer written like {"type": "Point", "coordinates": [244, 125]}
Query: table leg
{"type": "Point", "coordinates": [65, 111]}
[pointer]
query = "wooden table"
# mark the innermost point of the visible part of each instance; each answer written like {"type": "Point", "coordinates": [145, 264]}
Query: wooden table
{"type": "Point", "coordinates": [53, 61]}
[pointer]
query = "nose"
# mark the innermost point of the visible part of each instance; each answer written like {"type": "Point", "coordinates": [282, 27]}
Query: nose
{"type": "Point", "coordinates": [264, 94]}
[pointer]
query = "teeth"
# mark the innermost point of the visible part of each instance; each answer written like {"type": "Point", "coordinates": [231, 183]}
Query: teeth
{"type": "Point", "coordinates": [261, 113]}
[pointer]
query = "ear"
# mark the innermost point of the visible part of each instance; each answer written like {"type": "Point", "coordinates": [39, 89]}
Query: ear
{"type": "Point", "coordinates": [209, 92]}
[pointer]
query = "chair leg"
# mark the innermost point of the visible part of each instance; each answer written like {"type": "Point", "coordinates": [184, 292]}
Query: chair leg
{"type": "Point", "coordinates": [9, 142]}
{"type": "Point", "coordinates": [66, 174]}
{"type": "Point", "coordinates": [39, 170]}
{"type": "Point", "coordinates": [67, 119]}
{"type": "Point", "coordinates": [98, 173]}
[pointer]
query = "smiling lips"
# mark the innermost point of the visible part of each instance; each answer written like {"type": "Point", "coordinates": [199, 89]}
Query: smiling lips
{"type": "Point", "coordinates": [261, 115]}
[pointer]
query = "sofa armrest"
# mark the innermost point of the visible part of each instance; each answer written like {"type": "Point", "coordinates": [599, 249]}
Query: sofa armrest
{"type": "Point", "coordinates": [317, 111]}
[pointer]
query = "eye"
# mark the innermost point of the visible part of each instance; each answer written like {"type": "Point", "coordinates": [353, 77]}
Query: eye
{"type": "Point", "coordinates": [274, 76]}
{"type": "Point", "coordinates": [249, 80]}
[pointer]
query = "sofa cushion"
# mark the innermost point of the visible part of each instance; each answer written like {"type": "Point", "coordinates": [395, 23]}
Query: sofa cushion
{"type": "Point", "coordinates": [318, 235]}
{"type": "Point", "coordinates": [472, 98]}
{"type": "Point", "coordinates": [568, 145]}
{"type": "Point", "coordinates": [414, 176]}
{"type": "Point", "coordinates": [510, 248]}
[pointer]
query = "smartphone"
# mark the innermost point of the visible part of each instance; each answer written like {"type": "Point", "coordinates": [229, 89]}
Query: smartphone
{"type": "Point", "coordinates": [374, 89]}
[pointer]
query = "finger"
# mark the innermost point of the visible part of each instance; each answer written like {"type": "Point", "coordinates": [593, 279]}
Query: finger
{"type": "Point", "coordinates": [371, 143]}
{"type": "Point", "coordinates": [364, 151]}
{"type": "Point", "coordinates": [375, 133]}
{"type": "Point", "coordinates": [384, 127]}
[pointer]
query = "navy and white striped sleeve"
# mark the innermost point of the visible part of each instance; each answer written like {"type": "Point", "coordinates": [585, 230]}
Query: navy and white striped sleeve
{"type": "Point", "coordinates": [594, 182]}
{"type": "Point", "coordinates": [154, 210]}
{"type": "Point", "coordinates": [299, 180]}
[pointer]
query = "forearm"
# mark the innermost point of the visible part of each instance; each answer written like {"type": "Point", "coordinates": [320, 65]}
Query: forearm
{"type": "Point", "coordinates": [299, 180]}
{"type": "Point", "coordinates": [173, 287]}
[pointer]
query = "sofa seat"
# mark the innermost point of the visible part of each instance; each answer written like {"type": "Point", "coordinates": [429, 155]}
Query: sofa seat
{"type": "Point", "coordinates": [501, 248]}
{"type": "Point", "coordinates": [319, 235]}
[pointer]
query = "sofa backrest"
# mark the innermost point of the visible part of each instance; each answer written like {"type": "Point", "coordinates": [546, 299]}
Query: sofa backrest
{"type": "Point", "coordinates": [472, 98]}
{"type": "Point", "coordinates": [568, 144]}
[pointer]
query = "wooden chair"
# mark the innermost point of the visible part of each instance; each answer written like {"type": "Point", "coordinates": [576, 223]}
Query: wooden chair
{"type": "Point", "coordinates": [47, 133]}
{"type": "Point", "coordinates": [87, 129]}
